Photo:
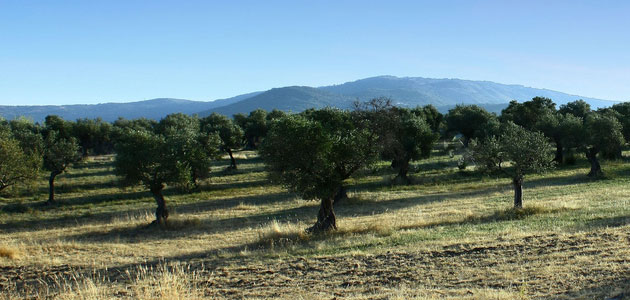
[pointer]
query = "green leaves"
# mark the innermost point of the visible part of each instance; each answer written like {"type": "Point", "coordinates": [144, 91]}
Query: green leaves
{"type": "Point", "coordinates": [525, 151]}
{"type": "Point", "coordinates": [174, 151]}
{"type": "Point", "coordinates": [60, 152]}
{"type": "Point", "coordinates": [312, 153]}
{"type": "Point", "coordinates": [16, 165]}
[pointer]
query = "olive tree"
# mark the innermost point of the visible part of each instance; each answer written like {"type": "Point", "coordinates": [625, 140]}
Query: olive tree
{"type": "Point", "coordinates": [59, 154]}
{"type": "Point", "coordinates": [171, 153]}
{"type": "Point", "coordinates": [312, 154]}
{"type": "Point", "coordinates": [403, 135]}
{"type": "Point", "coordinates": [602, 132]}
{"type": "Point", "coordinates": [515, 152]}
{"type": "Point", "coordinates": [229, 132]}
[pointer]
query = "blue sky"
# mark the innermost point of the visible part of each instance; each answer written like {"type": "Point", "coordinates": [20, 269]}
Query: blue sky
{"type": "Point", "coordinates": [69, 52]}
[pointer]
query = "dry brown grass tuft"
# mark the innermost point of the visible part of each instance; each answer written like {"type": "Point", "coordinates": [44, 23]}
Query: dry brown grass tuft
{"type": "Point", "coordinates": [9, 252]}
{"type": "Point", "coordinates": [281, 234]}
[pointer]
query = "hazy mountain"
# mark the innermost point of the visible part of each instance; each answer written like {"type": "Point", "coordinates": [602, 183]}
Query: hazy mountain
{"type": "Point", "coordinates": [152, 109]}
{"type": "Point", "coordinates": [405, 91]}
{"type": "Point", "coordinates": [412, 91]}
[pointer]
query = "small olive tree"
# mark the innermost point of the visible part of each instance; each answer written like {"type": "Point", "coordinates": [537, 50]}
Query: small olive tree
{"type": "Point", "coordinates": [59, 154]}
{"type": "Point", "coordinates": [515, 152]}
{"type": "Point", "coordinates": [313, 153]}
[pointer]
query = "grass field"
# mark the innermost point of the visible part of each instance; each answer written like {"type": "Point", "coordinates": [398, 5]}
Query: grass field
{"type": "Point", "coordinates": [449, 235]}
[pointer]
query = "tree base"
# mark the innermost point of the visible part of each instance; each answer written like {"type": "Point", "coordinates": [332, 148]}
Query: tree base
{"type": "Point", "coordinates": [401, 180]}
{"type": "Point", "coordinates": [321, 227]}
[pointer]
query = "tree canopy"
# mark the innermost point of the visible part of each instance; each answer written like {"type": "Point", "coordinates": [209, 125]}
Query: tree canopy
{"type": "Point", "coordinates": [471, 121]}
{"type": "Point", "coordinates": [174, 152]}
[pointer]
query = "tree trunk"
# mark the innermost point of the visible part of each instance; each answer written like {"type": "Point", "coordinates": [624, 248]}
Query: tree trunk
{"type": "Point", "coordinates": [232, 160]}
{"type": "Point", "coordinates": [518, 192]}
{"type": "Point", "coordinates": [51, 186]}
{"type": "Point", "coordinates": [341, 195]}
{"type": "Point", "coordinates": [403, 169]}
{"type": "Point", "coordinates": [559, 153]}
{"type": "Point", "coordinates": [161, 213]}
{"type": "Point", "coordinates": [326, 219]}
{"type": "Point", "coordinates": [591, 155]}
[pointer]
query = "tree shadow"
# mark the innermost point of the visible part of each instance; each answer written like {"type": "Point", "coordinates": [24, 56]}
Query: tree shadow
{"type": "Point", "coordinates": [510, 214]}
{"type": "Point", "coordinates": [304, 213]}
{"type": "Point", "coordinates": [87, 174]}
{"type": "Point", "coordinates": [599, 222]}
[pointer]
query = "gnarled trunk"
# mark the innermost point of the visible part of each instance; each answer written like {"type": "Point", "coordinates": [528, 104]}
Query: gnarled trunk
{"type": "Point", "coordinates": [518, 192]}
{"type": "Point", "coordinates": [402, 166]}
{"type": "Point", "coordinates": [161, 213]}
{"type": "Point", "coordinates": [232, 160]}
{"type": "Point", "coordinates": [51, 186]}
{"type": "Point", "coordinates": [596, 168]}
{"type": "Point", "coordinates": [326, 219]}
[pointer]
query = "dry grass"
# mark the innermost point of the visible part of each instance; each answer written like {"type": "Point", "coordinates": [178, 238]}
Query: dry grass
{"type": "Point", "coordinates": [9, 252]}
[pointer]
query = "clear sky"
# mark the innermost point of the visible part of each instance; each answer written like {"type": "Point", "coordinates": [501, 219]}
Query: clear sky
{"type": "Point", "coordinates": [69, 52]}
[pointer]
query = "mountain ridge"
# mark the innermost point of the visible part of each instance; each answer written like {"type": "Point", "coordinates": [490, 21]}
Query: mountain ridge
{"type": "Point", "coordinates": [443, 93]}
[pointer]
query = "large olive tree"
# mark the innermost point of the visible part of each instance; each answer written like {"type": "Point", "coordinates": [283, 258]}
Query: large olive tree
{"type": "Point", "coordinates": [173, 152]}
{"type": "Point", "coordinates": [515, 152]}
{"type": "Point", "coordinates": [313, 153]}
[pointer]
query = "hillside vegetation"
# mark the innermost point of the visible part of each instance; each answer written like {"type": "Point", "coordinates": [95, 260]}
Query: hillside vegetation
{"type": "Point", "coordinates": [450, 234]}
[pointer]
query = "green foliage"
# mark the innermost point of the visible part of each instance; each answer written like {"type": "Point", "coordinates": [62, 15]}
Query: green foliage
{"type": "Point", "coordinates": [255, 128]}
{"type": "Point", "coordinates": [313, 153]}
{"type": "Point", "coordinates": [28, 135]}
{"type": "Point", "coordinates": [471, 121]}
{"type": "Point", "coordinates": [528, 113]}
{"type": "Point", "coordinates": [94, 135]}
{"type": "Point", "coordinates": [62, 127]}
{"type": "Point", "coordinates": [623, 111]}
{"type": "Point", "coordinates": [578, 108]}
{"type": "Point", "coordinates": [403, 134]}
{"type": "Point", "coordinates": [60, 152]}
{"type": "Point", "coordinates": [175, 152]}
{"type": "Point", "coordinates": [431, 116]}
{"type": "Point", "coordinates": [230, 133]}
{"type": "Point", "coordinates": [16, 165]}
{"type": "Point", "coordinates": [525, 151]}
{"type": "Point", "coordinates": [604, 133]}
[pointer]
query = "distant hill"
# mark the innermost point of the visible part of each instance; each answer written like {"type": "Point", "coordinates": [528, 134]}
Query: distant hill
{"type": "Point", "coordinates": [151, 109]}
{"type": "Point", "coordinates": [405, 91]}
